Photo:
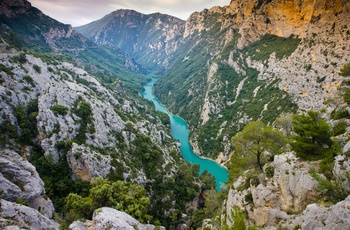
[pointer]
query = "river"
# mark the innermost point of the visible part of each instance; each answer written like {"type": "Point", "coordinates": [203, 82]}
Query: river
{"type": "Point", "coordinates": [180, 132]}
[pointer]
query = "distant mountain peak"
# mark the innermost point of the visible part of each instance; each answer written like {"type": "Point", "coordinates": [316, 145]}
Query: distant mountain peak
{"type": "Point", "coordinates": [11, 8]}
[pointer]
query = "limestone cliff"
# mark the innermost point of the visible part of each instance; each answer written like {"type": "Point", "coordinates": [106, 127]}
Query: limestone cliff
{"type": "Point", "coordinates": [288, 197]}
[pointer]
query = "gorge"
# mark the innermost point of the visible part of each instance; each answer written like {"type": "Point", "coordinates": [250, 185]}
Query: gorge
{"type": "Point", "coordinates": [82, 147]}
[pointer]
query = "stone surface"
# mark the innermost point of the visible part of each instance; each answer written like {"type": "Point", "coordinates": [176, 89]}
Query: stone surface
{"type": "Point", "coordinates": [19, 180]}
{"type": "Point", "coordinates": [109, 218]}
{"type": "Point", "coordinates": [16, 216]}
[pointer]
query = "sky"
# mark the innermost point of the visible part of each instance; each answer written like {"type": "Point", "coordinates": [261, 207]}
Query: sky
{"type": "Point", "coordinates": [81, 12]}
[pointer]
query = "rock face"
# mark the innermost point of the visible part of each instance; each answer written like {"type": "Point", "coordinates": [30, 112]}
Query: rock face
{"type": "Point", "coordinates": [109, 218]}
{"type": "Point", "coordinates": [287, 199]}
{"type": "Point", "coordinates": [307, 75]}
{"type": "Point", "coordinates": [16, 216]}
{"type": "Point", "coordinates": [48, 31]}
{"type": "Point", "coordinates": [19, 182]}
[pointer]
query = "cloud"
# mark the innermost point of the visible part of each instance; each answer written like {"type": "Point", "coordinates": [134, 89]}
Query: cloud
{"type": "Point", "coordinates": [82, 12]}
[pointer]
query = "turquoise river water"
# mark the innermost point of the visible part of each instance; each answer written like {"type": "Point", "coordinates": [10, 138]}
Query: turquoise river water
{"type": "Point", "coordinates": [180, 132]}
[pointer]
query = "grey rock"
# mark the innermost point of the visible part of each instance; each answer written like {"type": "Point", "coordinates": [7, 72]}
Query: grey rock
{"type": "Point", "coordinates": [25, 217]}
{"type": "Point", "coordinates": [19, 179]}
{"type": "Point", "coordinates": [109, 218]}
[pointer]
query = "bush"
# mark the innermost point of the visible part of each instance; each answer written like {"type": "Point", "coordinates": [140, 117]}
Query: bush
{"type": "Point", "coordinates": [345, 70]}
{"type": "Point", "coordinates": [20, 58]}
{"type": "Point", "coordinates": [37, 68]}
{"type": "Point", "coordinates": [269, 171]}
{"type": "Point", "coordinates": [60, 110]}
{"type": "Point", "coordinates": [312, 139]}
{"type": "Point", "coordinates": [339, 128]}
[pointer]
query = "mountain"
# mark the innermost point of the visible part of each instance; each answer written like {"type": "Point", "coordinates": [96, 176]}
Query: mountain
{"type": "Point", "coordinates": [149, 39]}
{"type": "Point", "coordinates": [71, 112]}
{"type": "Point", "coordinates": [242, 62]}
{"type": "Point", "coordinates": [37, 31]}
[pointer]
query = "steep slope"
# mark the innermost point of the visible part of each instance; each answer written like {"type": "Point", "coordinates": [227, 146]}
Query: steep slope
{"type": "Point", "coordinates": [77, 113]}
{"type": "Point", "coordinates": [228, 65]}
{"type": "Point", "coordinates": [150, 39]}
{"type": "Point", "coordinates": [265, 57]}
{"type": "Point", "coordinates": [29, 27]}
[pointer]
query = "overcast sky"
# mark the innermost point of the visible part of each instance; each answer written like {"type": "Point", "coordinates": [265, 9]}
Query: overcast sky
{"type": "Point", "coordinates": [81, 12]}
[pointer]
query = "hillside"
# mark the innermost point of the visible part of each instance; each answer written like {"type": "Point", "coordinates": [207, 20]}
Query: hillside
{"type": "Point", "coordinates": [150, 39]}
{"type": "Point", "coordinates": [71, 113]}
{"type": "Point", "coordinates": [246, 61]}
{"type": "Point", "coordinates": [263, 85]}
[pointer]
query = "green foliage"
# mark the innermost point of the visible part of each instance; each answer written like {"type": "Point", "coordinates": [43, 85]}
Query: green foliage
{"type": "Point", "coordinates": [83, 110]}
{"type": "Point", "coordinates": [340, 113]}
{"type": "Point", "coordinates": [164, 118]}
{"type": "Point", "coordinates": [21, 58]}
{"type": "Point", "coordinates": [60, 110]}
{"type": "Point", "coordinates": [237, 218]}
{"type": "Point", "coordinates": [346, 96]}
{"type": "Point", "coordinates": [268, 44]}
{"type": "Point", "coordinates": [7, 132]}
{"type": "Point", "coordinates": [208, 180]}
{"type": "Point", "coordinates": [332, 190]}
{"type": "Point", "coordinates": [127, 197]}
{"type": "Point", "coordinates": [345, 70]}
{"type": "Point", "coordinates": [312, 137]}
{"type": "Point", "coordinates": [22, 202]}
{"type": "Point", "coordinates": [339, 128]}
{"type": "Point", "coordinates": [37, 68]}
{"type": "Point", "coordinates": [269, 171]}
{"type": "Point", "coordinates": [256, 139]}
{"type": "Point", "coordinates": [6, 70]}
{"type": "Point", "coordinates": [29, 80]}
{"type": "Point", "coordinates": [26, 117]}
{"type": "Point", "coordinates": [57, 177]}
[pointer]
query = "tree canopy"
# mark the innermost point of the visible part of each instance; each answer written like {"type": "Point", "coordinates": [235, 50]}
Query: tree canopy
{"type": "Point", "coordinates": [312, 136]}
{"type": "Point", "coordinates": [257, 139]}
{"type": "Point", "coordinates": [130, 198]}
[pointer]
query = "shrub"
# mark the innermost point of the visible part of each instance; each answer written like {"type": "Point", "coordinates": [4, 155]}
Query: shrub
{"type": "Point", "coordinates": [269, 171]}
{"type": "Point", "coordinates": [60, 110]}
{"type": "Point", "coordinates": [339, 128]}
{"type": "Point", "coordinates": [37, 68]}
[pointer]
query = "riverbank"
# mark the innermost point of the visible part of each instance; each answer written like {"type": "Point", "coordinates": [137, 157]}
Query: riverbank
{"type": "Point", "coordinates": [180, 132]}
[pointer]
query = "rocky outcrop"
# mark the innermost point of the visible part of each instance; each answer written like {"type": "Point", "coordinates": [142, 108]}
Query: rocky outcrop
{"type": "Point", "coordinates": [16, 216]}
{"type": "Point", "coordinates": [20, 181]}
{"type": "Point", "coordinates": [289, 190]}
{"type": "Point", "coordinates": [21, 184]}
{"type": "Point", "coordinates": [317, 217]}
{"type": "Point", "coordinates": [288, 199]}
{"type": "Point", "coordinates": [109, 218]}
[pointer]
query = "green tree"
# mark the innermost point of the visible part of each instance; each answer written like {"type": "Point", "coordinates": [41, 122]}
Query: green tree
{"type": "Point", "coordinates": [257, 139]}
{"type": "Point", "coordinates": [130, 198]}
{"type": "Point", "coordinates": [312, 137]}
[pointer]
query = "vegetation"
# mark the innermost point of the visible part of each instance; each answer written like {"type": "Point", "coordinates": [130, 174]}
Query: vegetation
{"type": "Point", "coordinates": [268, 44]}
{"type": "Point", "coordinates": [312, 138]}
{"type": "Point", "coordinates": [26, 117]}
{"type": "Point", "coordinates": [126, 197]}
{"type": "Point", "coordinates": [257, 140]}
{"type": "Point", "coordinates": [83, 110]}
{"type": "Point", "coordinates": [334, 189]}
{"type": "Point", "coordinates": [60, 110]}
{"type": "Point", "coordinates": [345, 70]}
